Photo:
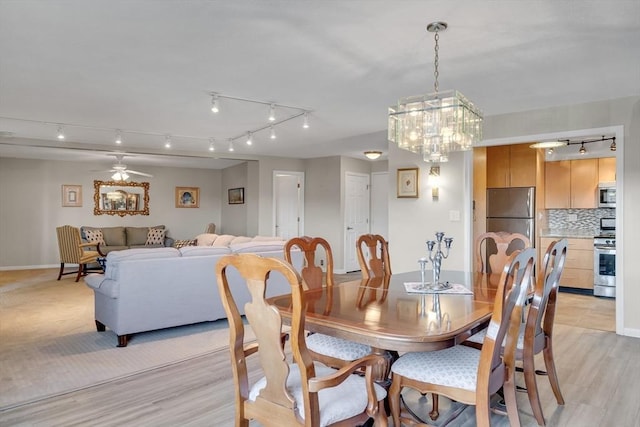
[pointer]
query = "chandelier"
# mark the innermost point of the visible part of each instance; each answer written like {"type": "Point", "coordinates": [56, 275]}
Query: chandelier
{"type": "Point", "coordinates": [437, 123]}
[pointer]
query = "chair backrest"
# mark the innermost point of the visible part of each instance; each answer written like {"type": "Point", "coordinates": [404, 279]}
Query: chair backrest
{"type": "Point", "coordinates": [493, 249]}
{"type": "Point", "coordinates": [311, 273]}
{"type": "Point", "coordinates": [376, 261]}
{"type": "Point", "coordinates": [506, 318]}
{"type": "Point", "coordinates": [69, 244]}
{"type": "Point", "coordinates": [275, 399]}
{"type": "Point", "coordinates": [543, 305]}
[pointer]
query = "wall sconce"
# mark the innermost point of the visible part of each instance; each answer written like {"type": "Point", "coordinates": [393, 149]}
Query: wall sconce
{"type": "Point", "coordinates": [434, 181]}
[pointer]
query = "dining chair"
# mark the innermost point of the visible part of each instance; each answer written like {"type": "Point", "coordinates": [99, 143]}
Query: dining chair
{"type": "Point", "coordinates": [537, 334]}
{"type": "Point", "coordinates": [72, 251]}
{"type": "Point", "coordinates": [331, 351]}
{"type": "Point", "coordinates": [296, 392]}
{"type": "Point", "coordinates": [504, 243]}
{"type": "Point", "coordinates": [466, 374]}
{"type": "Point", "coordinates": [375, 260]}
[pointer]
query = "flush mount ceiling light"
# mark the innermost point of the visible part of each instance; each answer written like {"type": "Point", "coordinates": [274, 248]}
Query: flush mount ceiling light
{"type": "Point", "coordinates": [372, 155]}
{"type": "Point", "coordinates": [437, 123]}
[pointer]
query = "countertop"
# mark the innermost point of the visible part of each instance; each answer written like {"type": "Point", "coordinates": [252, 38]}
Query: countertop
{"type": "Point", "coordinates": [569, 233]}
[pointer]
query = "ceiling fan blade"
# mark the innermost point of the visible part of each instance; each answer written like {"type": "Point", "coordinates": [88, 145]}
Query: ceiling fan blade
{"type": "Point", "coordinates": [104, 170]}
{"type": "Point", "coordinates": [139, 173]}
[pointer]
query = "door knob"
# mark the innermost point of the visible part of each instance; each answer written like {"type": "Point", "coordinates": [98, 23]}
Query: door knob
{"type": "Point", "coordinates": [349, 228]}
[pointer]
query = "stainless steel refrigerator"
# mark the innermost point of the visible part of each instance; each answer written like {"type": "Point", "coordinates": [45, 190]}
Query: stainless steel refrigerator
{"type": "Point", "coordinates": [512, 210]}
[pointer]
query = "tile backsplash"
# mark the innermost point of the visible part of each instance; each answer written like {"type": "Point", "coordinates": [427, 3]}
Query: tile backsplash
{"type": "Point", "coordinates": [577, 219]}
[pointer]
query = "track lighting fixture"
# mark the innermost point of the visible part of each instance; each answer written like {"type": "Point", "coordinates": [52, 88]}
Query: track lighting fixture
{"type": "Point", "coordinates": [272, 113]}
{"type": "Point", "coordinates": [551, 145]}
{"type": "Point", "coordinates": [215, 107]}
{"type": "Point", "coordinates": [167, 141]}
{"type": "Point", "coordinates": [582, 149]}
{"type": "Point", "coordinates": [211, 145]}
{"type": "Point", "coordinates": [60, 132]}
{"type": "Point", "coordinates": [305, 123]}
{"type": "Point", "coordinates": [272, 133]}
{"type": "Point", "coordinates": [249, 138]}
{"type": "Point", "coordinates": [612, 147]}
{"type": "Point", "coordinates": [118, 139]}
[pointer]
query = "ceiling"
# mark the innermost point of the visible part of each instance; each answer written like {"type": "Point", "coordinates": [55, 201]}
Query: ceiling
{"type": "Point", "coordinates": [148, 68]}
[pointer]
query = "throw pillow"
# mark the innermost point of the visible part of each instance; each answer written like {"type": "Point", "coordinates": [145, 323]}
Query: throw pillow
{"type": "Point", "coordinates": [182, 243]}
{"type": "Point", "coordinates": [94, 236]}
{"type": "Point", "coordinates": [155, 236]}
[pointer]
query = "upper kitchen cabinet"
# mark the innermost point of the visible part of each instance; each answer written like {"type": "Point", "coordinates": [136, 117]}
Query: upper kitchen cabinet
{"type": "Point", "coordinates": [511, 166]}
{"type": "Point", "coordinates": [607, 169]}
{"type": "Point", "coordinates": [571, 184]}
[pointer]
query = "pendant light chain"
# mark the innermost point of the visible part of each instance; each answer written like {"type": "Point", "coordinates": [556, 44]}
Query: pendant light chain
{"type": "Point", "coordinates": [436, 73]}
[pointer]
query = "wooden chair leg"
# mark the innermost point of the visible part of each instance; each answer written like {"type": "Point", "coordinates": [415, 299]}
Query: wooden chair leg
{"type": "Point", "coordinates": [434, 414]}
{"type": "Point", "coordinates": [61, 270]}
{"type": "Point", "coordinates": [551, 372]}
{"type": "Point", "coordinates": [393, 396]}
{"type": "Point", "coordinates": [81, 268]}
{"type": "Point", "coordinates": [509, 390]}
{"type": "Point", "coordinates": [532, 388]}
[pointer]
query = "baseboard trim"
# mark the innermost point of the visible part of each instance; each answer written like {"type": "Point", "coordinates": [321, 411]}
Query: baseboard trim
{"type": "Point", "coordinates": [578, 291]}
{"type": "Point", "coordinates": [29, 267]}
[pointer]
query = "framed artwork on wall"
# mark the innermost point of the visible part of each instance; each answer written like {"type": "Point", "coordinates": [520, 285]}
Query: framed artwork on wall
{"type": "Point", "coordinates": [236, 196]}
{"type": "Point", "coordinates": [187, 197]}
{"type": "Point", "coordinates": [407, 185]}
{"type": "Point", "coordinates": [72, 196]}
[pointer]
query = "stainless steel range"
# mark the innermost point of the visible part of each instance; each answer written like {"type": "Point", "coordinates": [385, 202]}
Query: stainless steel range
{"type": "Point", "coordinates": [604, 259]}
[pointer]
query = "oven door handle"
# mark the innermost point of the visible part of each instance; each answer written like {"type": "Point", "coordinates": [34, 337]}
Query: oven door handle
{"type": "Point", "coordinates": [605, 250]}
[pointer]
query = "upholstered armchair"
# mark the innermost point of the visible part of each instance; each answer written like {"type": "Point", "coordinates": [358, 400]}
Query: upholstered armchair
{"type": "Point", "coordinates": [72, 251]}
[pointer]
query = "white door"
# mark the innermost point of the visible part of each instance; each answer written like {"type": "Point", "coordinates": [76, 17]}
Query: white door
{"type": "Point", "coordinates": [288, 204]}
{"type": "Point", "coordinates": [356, 208]}
{"type": "Point", "coordinates": [380, 204]}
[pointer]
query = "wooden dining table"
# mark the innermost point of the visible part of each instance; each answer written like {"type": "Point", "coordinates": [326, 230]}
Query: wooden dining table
{"type": "Point", "coordinates": [380, 312]}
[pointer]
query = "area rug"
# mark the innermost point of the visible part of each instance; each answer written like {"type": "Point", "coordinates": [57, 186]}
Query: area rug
{"type": "Point", "coordinates": [49, 344]}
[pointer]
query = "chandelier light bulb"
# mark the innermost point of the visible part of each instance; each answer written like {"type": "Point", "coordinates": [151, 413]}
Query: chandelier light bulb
{"type": "Point", "coordinates": [60, 132]}
{"type": "Point", "coordinates": [273, 133]}
{"type": "Point", "coordinates": [305, 123]}
{"type": "Point", "coordinates": [167, 141]}
{"type": "Point", "coordinates": [215, 107]}
{"type": "Point", "coordinates": [272, 113]}
{"type": "Point", "coordinates": [118, 136]}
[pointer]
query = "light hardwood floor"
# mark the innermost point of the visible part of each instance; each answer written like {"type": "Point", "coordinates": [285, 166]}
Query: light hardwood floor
{"type": "Point", "coordinates": [598, 371]}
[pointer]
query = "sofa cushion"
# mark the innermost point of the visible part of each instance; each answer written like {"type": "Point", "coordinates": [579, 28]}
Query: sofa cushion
{"type": "Point", "coordinates": [137, 236]}
{"type": "Point", "coordinates": [239, 239]}
{"type": "Point", "coordinates": [257, 247]}
{"type": "Point", "coordinates": [206, 239]}
{"type": "Point", "coordinates": [223, 240]}
{"type": "Point", "coordinates": [155, 236]}
{"type": "Point", "coordinates": [94, 236]}
{"type": "Point", "coordinates": [114, 236]}
{"type": "Point", "coordinates": [266, 238]}
{"type": "Point", "coordinates": [204, 250]}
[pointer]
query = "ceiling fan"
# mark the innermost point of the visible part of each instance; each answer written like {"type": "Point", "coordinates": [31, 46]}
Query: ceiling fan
{"type": "Point", "coordinates": [120, 171]}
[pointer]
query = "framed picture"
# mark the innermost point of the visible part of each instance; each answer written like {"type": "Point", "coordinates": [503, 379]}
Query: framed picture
{"type": "Point", "coordinates": [187, 197]}
{"type": "Point", "coordinates": [72, 196]}
{"type": "Point", "coordinates": [236, 196]}
{"type": "Point", "coordinates": [407, 183]}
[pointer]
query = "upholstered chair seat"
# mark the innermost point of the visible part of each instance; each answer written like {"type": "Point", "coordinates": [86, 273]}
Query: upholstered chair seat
{"type": "Point", "coordinates": [337, 347]}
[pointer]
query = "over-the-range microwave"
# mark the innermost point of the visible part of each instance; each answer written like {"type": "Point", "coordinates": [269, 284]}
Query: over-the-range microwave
{"type": "Point", "coordinates": [607, 195]}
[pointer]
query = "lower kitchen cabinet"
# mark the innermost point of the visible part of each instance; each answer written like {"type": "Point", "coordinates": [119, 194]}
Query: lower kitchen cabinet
{"type": "Point", "coordinates": [578, 267]}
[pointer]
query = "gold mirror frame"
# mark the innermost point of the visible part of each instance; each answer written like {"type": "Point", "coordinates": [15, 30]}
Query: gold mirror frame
{"type": "Point", "coordinates": [127, 198]}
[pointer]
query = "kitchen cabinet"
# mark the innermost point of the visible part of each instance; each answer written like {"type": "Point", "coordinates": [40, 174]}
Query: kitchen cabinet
{"type": "Point", "coordinates": [571, 184]}
{"type": "Point", "coordinates": [578, 266]}
{"type": "Point", "coordinates": [511, 166]}
{"type": "Point", "coordinates": [607, 169]}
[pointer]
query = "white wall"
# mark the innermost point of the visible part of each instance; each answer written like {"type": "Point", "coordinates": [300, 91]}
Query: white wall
{"type": "Point", "coordinates": [234, 217]}
{"type": "Point", "coordinates": [31, 205]}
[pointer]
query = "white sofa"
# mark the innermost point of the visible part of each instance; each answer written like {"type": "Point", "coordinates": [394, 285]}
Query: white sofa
{"type": "Point", "coordinates": [148, 289]}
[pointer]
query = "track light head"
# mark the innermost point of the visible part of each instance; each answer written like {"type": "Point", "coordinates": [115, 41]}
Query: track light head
{"type": "Point", "coordinates": [305, 123]}
{"type": "Point", "coordinates": [612, 147]}
{"type": "Point", "coordinates": [231, 149]}
{"type": "Point", "coordinates": [249, 138]}
{"type": "Point", "coordinates": [60, 133]}
{"type": "Point", "coordinates": [272, 113]}
{"type": "Point", "coordinates": [215, 107]}
{"type": "Point", "coordinates": [167, 141]}
{"type": "Point", "coordinates": [582, 149]}
{"type": "Point", "coordinates": [212, 146]}
{"type": "Point", "coordinates": [272, 133]}
{"type": "Point", "coordinates": [118, 139]}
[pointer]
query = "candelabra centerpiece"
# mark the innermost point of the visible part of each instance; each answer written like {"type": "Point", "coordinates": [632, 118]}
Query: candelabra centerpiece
{"type": "Point", "coordinates": [436, 255]}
